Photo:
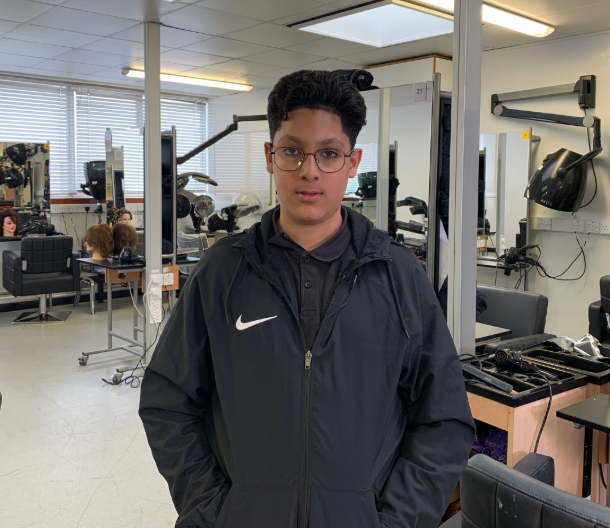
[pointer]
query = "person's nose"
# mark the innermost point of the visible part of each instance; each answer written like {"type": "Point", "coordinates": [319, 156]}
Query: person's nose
{"type": "Point", "coordinates": [309, 169]}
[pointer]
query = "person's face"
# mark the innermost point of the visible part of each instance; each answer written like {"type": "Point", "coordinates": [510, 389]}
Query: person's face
{"type": "Point", "coordinates": [125, 219]}
{"type": "Point", "coordinates": [9, 226]}
{"type": "Point", "coordinates": [308, 195]}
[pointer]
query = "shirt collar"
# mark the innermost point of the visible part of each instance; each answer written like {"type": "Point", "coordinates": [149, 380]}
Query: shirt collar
{"type": "Point", "coordinates": [331, 249]}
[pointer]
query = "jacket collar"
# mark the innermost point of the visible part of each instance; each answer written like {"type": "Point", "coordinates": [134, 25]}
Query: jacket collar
{"type": "Point", "coordinates": [367, 243]}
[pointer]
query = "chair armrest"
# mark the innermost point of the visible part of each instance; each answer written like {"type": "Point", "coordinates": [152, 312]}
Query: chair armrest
{"type": "Point", "coordinates": [596, 320]}
{"type": "Point", "coordinates": [537, 466]}
{"type": "Point", "coordinates": [518, 343]}
{"type": "Point", "coordinates": [12, 272]}
{"type": "Point", "coordinates": [75, 270]}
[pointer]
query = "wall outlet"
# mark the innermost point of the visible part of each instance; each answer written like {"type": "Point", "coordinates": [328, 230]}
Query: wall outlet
{"type": "Point", "coordinates": [604, 228]}
{"type": "Point", "coordinates": [592, 226]}
{"type": "Point", "coordinates": [65, 209]}
{"type": "Point", "coordinates": [156, 310]}
{"type": "Point", "coordinates": [168, 279]}
{"type": "Point", "coordinates": [578, 226]}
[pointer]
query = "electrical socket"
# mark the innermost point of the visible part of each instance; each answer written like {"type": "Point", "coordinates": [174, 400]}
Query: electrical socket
{"type": "Point", "coordinates": [65, 209]}
{"type": "Point", "coordinates": [155, 308]}
{"type": "Point", "coordinates": [592, 226]}
{"type": "Point", "coordinates": [578, 226]}
{"type": "Point", "coordinates": [604, 228]}
{"type": "Point", "coordinates": [168, 279]}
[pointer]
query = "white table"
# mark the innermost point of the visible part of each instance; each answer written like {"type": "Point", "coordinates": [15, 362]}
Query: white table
{"type": "Point", "coordinates": [485, 334]}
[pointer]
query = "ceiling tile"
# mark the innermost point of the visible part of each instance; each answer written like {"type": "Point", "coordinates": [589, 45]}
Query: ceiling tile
{"type": "Point", "coordinates": [166, 67]}
{"type": "Point", "coordinates": [50, 36]}
{"type": "Point", "coordinates": [442, 45]}
{"type": "Point", "coordinates": [213, 74]}
{"type": "Point", "coordinates": [95, 58]}
{"type": "Point", "coordinates": [21, 10]}
{"type": "Point", "coordinates": [261, 9]}
{"type": "Point", "coordinates": [31, 49]}
{"type": "Point", "coordinates": [323, 9]}
{"type": "Point", "coordinates": [331, 47]}
{"type": "Point", "coordinates": [5, 26]}
{"type": "Point", "coordinates": [245, 67]}
{"type": "Point", "coordinates": [134, 9]}
{"type": "Point", "coordinates": [273, 35]}
{"type": "Point", "coordinates": [11, 69]}
{"type": "Point", "coordinates": [9, 59]}
{"type": "Point", "coordinates": [349, 3]}
{"type": "Point", "coordinates": [256, 81]}
{"type": "Point", "coordinates": [331, 65]}
{"type": "Point", "coordinates": [284, 58]}
{"type": "Point", "coordinates": [170, 37]}
{"type": "Point", "coordinates": [227, 47]}
{"type": "Point", "coordinates": [134, 50]}
{"type": "Point", "coordinates": [584, 20]}
{"type": "Point", "coordinates": [191, 58]}
{"type": "Point", "coordinates": [209, 21]}
{"type": "Point", "coordinates": [62, 67]}
{"type": "Point", "coordinates": [93, 23]}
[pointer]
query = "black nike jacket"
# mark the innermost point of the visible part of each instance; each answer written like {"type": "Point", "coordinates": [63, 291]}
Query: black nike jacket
{"type": "Point", "coordinates": [370, 428]}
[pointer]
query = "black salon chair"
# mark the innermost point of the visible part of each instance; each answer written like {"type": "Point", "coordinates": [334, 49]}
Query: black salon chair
{"type": "Point", "coordinates": [494, 495]}
{"type": "Point", "coordinates": [599, 316]}
{"type": "Point", "coordinates": [46, 265]}
{"type": "Point", "coordinates": [523, 313]}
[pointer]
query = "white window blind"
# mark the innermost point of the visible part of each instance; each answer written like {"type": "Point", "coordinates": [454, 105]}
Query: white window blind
{"type": "Point", "coordinates": [367, 164]}
{"type": "Point", "coordinates": [124, 114]}
{"type": "Point", "coordinates": [240, 166]}
{"type": "Point", "coordinates": [37, 113]}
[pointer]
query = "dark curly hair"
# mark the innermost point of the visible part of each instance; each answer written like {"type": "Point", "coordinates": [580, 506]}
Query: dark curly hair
{"type": "Point", "coordinates": [317, 90]}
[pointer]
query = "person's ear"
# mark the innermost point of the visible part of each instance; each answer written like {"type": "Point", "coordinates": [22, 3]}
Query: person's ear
{"type": "Point", "coordinates": [269, 157]}
{"type": "Point", "coordinates": [354, 161]}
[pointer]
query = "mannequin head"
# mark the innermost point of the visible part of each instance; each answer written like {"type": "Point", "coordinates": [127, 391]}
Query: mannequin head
{"type": "Point", "coordinates": [9, 222]}
{"type": "Point", "coordinates": [98, 240]}
{"type": "Point", "coordinates": [123, 235]}
{"type": "Point", "coordinates": [124, 216]}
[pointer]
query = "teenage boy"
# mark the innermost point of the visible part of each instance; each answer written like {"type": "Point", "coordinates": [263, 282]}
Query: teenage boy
{"type": "Point", "coordinates": [306, 377]}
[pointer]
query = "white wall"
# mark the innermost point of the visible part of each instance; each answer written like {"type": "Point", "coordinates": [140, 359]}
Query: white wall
{"type": "Point", "coordinates": [547, 64]}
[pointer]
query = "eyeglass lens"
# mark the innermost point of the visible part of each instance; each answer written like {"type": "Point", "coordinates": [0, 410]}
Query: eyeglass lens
{"type": "Point", "coordinates": [328, 160]}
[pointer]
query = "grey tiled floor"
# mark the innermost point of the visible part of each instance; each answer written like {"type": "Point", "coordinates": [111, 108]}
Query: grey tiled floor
{"type": "Point", "coordinates": [73, 452]}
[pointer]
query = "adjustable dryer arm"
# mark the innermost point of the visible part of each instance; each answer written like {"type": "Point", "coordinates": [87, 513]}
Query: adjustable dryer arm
{"type": "Point", "coordinates": [207, 144]}
{"type": "Point", "coordinates": [585, 88]}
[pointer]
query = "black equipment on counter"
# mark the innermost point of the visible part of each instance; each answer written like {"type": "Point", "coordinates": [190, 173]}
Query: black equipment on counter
{"type": "Point", "coordinates": [483, 377]}
{"type": "Point", "coordinates": [367, 185]}
{"type": "Point", "coordinates": [126, 256]}
{"type": "Point", "coordinates": [95, 182]}
{"type": "Point", "coordinates": [513, 361]}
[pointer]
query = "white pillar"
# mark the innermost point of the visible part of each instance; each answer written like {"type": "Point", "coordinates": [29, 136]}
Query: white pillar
{"type": "Point", "coordinates": [152, 163]}
{"type": "Point", "coordinates": [383, 160]}
{"type": "Point", "coordinates": [463, 194]}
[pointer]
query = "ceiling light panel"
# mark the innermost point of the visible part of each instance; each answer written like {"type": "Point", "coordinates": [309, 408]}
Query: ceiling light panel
{"type": "Point", "coordinates": [385, 25]}
{"type": "Point", "coordinates": [195, 81]}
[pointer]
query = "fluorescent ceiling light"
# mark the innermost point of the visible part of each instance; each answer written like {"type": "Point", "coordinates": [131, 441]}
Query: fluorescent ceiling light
{"type": "Point", "coordinates": [382, 24]}
{"type": "Point", "coordinates": [499, 17]}
{"type": "Point", "coordinates": [138, 74]}
{"type": "Point", "coordinates": [390, 22]}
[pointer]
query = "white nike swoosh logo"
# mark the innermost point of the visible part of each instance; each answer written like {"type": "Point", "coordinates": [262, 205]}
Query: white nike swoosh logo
{"type": "Point", "coordinates": [244, 326]}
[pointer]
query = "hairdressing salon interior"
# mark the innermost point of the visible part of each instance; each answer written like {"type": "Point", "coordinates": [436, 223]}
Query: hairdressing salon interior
{"type": "Point", "coordinates": [485, 152]}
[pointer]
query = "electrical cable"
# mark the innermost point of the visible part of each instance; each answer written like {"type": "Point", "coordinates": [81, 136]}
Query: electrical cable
{"type": "Point", "coordinates": [133, 300]}
{"type": "Point", "coordinates": [548, 409]}
{"type": "Point", "coordinates": [592, 166]}
{"type": "Point", "coordinates": [74, 226]}
{"type": "Point", "coordinates": [601, 474]}
{"type": "Point", "coordinates": [65, 225]}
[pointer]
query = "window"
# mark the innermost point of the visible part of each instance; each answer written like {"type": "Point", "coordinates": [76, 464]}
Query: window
{"type": "Point", "coordinates": [240, 166]}
{"type": "Point", "coordinates": [367, 164]}
{"type": "Point", "coordinates": [39, 113]}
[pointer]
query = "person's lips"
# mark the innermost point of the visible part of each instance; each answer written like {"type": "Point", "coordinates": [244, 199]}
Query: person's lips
{"type": "Point", "coordinates": [309, 195]}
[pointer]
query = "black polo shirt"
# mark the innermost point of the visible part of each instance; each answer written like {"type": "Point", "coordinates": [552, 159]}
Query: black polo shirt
{"type": "Point", "coordinates": [312, 274]}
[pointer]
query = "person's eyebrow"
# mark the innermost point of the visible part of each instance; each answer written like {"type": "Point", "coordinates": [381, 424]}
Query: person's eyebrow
{"type": "Point", "coordinates": [323, 143]}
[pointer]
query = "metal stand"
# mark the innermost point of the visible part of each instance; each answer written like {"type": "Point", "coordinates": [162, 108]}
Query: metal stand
{"type": "Point", "coordinates": [42, 316]}
{"type": "Point", "coordinates": [133, 341]}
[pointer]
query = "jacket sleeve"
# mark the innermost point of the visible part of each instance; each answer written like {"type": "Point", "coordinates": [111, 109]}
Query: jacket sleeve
{"type": "Point", "coordinates": [440, 429]}
{"type": "Point", "coordinates": [175, 397]}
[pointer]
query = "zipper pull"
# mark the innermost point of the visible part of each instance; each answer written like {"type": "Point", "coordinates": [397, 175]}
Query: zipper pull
{"type": "Point", "coordinates": [308, 357]}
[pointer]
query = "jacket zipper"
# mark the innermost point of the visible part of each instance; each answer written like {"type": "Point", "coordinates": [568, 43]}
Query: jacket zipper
{"type": "Point", "coordinates": [304, 487]}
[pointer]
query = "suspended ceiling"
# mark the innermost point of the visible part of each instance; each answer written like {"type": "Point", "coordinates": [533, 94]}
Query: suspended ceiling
{"type": "Point", "coordinates": [243, 41]}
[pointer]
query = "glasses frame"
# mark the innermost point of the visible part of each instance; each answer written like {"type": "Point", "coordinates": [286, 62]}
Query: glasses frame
{"type": "Point", "coordinates": [305, 154]}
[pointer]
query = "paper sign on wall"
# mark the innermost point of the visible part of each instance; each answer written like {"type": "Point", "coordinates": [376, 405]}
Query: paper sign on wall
{"type": "Point", "coordinates": [419, 92]}
{"type": "Point", "coordinates": [118, 154]}
{"type": "Point", "coordinates": [108, 140]}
